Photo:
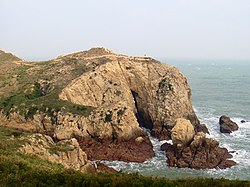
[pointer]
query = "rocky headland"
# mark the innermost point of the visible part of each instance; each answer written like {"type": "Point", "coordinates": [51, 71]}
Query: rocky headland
{"type": "Point", "coordinates": [98, 103]}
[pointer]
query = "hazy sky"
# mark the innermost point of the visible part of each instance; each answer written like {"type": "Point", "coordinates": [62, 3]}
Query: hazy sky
{"type": "Point", "coordinates": [44, 29]}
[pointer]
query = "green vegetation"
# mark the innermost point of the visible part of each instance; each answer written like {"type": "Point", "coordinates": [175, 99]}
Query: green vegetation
{"type": "Point", "coordinates": [31, 177]}
{"type": "Point", "coordinates": [70, 60]}
{"type": "Point", "coordinates": [31, 112]}
{"type": "Point", "coordinates": [8, 57]}
{"type": "Point", "coordinates": [16, 167]}
{"type": "Point", "coordinates": [60, 147]}
{"type": "Point", "coordinates": [35, 86]}
{"type": "Point", "coordinates": [78, 70]}
{"type": "Point", "coordinates": [36, 93]}
{"type": "Point", "coordinates": [46, 104]}
{"type": "Point", "coordinates": [118, 92]}
{"type": "Point", "coordinates": [170, 87]}
{"type": "Point", "coordinates": [108, 116]}
{"type": "Point", "coordinates": [120, 112]}
{"type": "Point", "coordinates": [165, 85]}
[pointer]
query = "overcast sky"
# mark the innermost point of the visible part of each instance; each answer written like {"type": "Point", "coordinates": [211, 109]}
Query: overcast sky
{"type": "Point", "coordinates": [45, 29]}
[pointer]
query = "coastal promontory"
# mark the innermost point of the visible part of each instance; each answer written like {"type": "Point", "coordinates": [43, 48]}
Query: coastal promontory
{"type": "Point", "coordinates": [102, 102]}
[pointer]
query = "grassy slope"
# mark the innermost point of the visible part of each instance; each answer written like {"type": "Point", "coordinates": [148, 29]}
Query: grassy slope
{"type": "Point", "coordinates": [17, 169]}
{"type": "Point", "coordinates": [20, 87]}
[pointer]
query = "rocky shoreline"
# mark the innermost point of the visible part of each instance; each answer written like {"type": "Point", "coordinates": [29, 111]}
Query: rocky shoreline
{"type": "Point", "coordinates": [114, 96]}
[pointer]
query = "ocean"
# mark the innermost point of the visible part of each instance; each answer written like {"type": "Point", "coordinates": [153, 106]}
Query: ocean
{"type": "Point", "coordinates": [218, 88]}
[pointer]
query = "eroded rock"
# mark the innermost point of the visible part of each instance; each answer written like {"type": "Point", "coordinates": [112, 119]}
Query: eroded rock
{"type": "Point", "coordinates": [125, 150]}
{"type": "Point", "coordinates": [182, 133]}
{"type": "Point", "coordinates": [159, 92]}
{"type": "Point", "coordinates": [66, 152]}
{"type": "Point", "coordinates": [202, 153]}
{"type": "Point", "coordinates": [128, 93]}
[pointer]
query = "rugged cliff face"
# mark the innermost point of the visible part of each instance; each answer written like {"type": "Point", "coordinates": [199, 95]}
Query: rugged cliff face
{"type": "Point", "coordinates": [157, 94]}
{"type": "Point", "coordinates": [124, 89]}
{"type": "Point", "coordinates": [98, 97]}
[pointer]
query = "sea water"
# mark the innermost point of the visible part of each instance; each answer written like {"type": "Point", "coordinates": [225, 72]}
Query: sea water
{"type": "Point", "coordinates": [218, 88]}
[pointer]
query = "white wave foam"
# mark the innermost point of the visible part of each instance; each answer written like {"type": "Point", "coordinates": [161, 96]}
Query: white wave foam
{"type": "Point", "coordinates": [238, 142]}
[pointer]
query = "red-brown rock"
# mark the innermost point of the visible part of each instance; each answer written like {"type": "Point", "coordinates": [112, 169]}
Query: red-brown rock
{"type": "Point", "coordinates": [202, 153]}
{"type": "Point", "coordinates": [162, 133]}
{"type": "Point", "coordinates": [125, 150]}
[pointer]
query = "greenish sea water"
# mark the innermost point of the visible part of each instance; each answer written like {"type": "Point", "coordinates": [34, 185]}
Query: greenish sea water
{"type": "Point", "coordinates": [218, 88]}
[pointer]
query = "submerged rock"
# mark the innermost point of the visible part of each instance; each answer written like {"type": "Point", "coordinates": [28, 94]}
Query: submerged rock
{"type": "Point", "coordinates": [227, 125]}
{"type": "Point", "coordinates": [243, 121]}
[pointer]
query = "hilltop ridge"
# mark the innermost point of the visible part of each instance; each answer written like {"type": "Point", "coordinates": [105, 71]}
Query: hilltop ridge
{"type": "Point", "coordinates": [6, 56]}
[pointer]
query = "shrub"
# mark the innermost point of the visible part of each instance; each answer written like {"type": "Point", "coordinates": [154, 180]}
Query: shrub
{"type": "Point", "coordinates": [121, 111]}
{"type": "Point", "coordinates": [31, 112]}
{"type": "Point", "coordinates": [36, 93]}
{"type": "Point", "coordinates": [108, 117]}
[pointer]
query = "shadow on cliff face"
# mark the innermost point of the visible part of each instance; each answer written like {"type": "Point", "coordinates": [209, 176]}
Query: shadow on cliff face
{"type": "Point", "coordinates": [143, 118]}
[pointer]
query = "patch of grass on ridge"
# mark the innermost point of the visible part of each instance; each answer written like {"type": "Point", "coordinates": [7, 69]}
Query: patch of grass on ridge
{"type": "Point", "coordinates": [27, 106]}
{"type": "Point", "coordinates": [28, 103]}
{"type": "Point", "coordinates": [8, 57]}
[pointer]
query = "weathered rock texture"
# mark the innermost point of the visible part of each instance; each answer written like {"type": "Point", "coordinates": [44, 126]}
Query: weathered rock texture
{"type": "Point", "coordinates": [197, 152]}
{"type": "Point", "coordinates": [128, 92]}
{"type": "Point", "coordinates": [159, 92]}
{"type": "Point", "coordinates": [227, 125]}
{"type": "Point", "coordinates": [130, 150]}
{"type": "Point", "coordinates": [182, 133]}
{"type": "Point", "coordinates": [125, 93]}
{"type": "Point", "coordinates": [66, 152]}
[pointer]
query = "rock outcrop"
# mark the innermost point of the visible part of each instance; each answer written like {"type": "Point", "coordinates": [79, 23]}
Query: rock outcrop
{"type": "Point", "coordinates": [103, 135]}
{"type": "Point", "coordinates": [124, 94]}
{"type": "Point", "coordinates": [195, 151]}
{"type": "Point", "coordinates": [66, 152]}
{"type": "Point", "coordinates": [182, 133]}
{"type": "Point", "coordinates": [201, 128]}
{"type": "Point", "coordinates": [227, 125]}
{"type": "Point", "coordinates": [158, 92]}
{"type": "Point", "coordinates": [129, 93]}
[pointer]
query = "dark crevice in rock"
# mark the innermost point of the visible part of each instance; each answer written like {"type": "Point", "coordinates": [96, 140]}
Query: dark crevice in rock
{"type": "Point", "coordinates": [143, 119]}
{"type": "Point", "coordinates": [94, 137]}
